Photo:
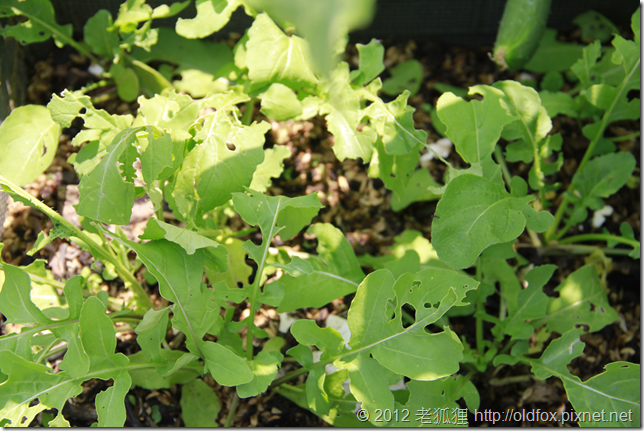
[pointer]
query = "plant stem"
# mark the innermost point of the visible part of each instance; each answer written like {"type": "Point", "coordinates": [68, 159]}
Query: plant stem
{"type": "Point", "coordinates": [288, 377]}
{"type": "Point", "coordinates": [562, 250]}
{"type": "Point", "coordinates": [566, 228]}
{"type": "Point", "coordinates": [248, 114]}
{"type": "Point", "coordinates": [82, 239]}
{"type": "Point", "coordinates": [511, 380]}
{"type": "Point", "coordinates": [624, 137]}
{"type": "Point", "coordinates": [232, 411]}
{"type": "Point", "coordinates": [479, 308]}
{"type": "Point", "coordinates": [498, 156]}
{"type": "Point", "coordinates": [94, 85]}
{"type": "Point", "coordinates": [600, 237]}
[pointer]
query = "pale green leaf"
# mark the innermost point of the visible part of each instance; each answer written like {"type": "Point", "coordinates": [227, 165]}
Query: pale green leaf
{"type": "Point", "coordinates": [212, 16]}
{"type": "Point", "coordinates": [15, 300]}
{"type": "Point", "coordinates": [104, 195]}
{"type": "Point", "coordinates": [271, 167]}
{"type": "Point", "coordinates": [276, 214]}
{"type": "Point", "coordinates": [342, 109]}
{"type": "Point", "coordinates": [475, 126]}
{"type": "Point", "coordinates": [394, 123]}
{"type": "Point", "coordinates": [52, 390]}
{"type": "Point", "coordinates": [369, 385]}
{"type": "Point", "coordinates": [238, 271]}
{"type": "Point", "coordinates": [28, 143]}
{"type": "Point", "coordinates": [189, 240]}
{"type": "Point", "coordinates": [264, 367]}
{"type": "Point", "coordinates": [225, 366]}
{"type": "Point", "coordinates": [200, 405]}
{"type": "Point", "coordinates": [185, 369]}
{"type": "Point", "coordinates": [324, 24]}
{"type": "Point", "coordinates": [440, 394]}
{"type": "Point", "coordinates": [273, 57]}
{"type": "Point", "coordinates": [280, 103]}
{"type": "Point", "coordinates": [370, 64]}
{"type": "Point", "coordinates": [127, 82]}
{"type": "Point", "coordinates": [221, 164]}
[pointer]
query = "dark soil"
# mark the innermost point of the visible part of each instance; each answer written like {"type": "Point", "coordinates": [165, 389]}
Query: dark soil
{"type": "Point", "coordinates": [360, 207]}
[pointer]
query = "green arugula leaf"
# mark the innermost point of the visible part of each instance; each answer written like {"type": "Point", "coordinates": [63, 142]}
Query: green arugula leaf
{"type": "Point", "coordinates": [28, 140]}
{"type": "Point", "coordinates": [212, 16]}
{"type": "Point", "coordinates": [378, 340]}
{"type": "Point", "coordinates": [98, 36]}
{"type": "Point", "coordinates": [558, 103]}
{"type": "Point", "coordinates": [343, 115]}
{"type": "Point", "coordinates": [475, 213]}
{"type": "Point", "coordinates": [151, 331]}
{"type": "Point", "coordinates": [440, 394]}
{"type": "Point", "coordinates": [199, 405]}
{"type": "Point", "coordinates": [51, 390]}
{"type": "Point", "coordinates": [394, 122]}
{"type": "Point", "coordinates": [595, 26]}
{"type": "Point", "coordinates": [186, 54]}
{"type": "Point", "coordinates": [15, 299]}
{"type": "Point", "coordinates": [264, 367]}
{"type": "Point", "coordinates": [474, 127]}
{"type": "Point", "coordinates": [189, 240]}
{"type": "Point", "coordinates": [552, 55]}
{"type": "Point", "coordinates": [602, 177]}
{"type": "Point", "coordinates": [584, 67]}
{"type": "Point", "coordinates": [40, 24]}
{"type": "Point", "coordinates": [582, 301]}
{"type": "Point", "coordinates": [318, 280]}
{"type": "Point", "coordinates": [407, 75]}
{"type": "Point", "coordinates": [616, 390]}
{"type": "Point", "coordinates": [530, 302]}
{"type": "Point", "coordinates": [110, 404]}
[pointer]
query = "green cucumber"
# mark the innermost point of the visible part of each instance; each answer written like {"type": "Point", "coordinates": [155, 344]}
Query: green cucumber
{"type": "Point", "coordinates": [520, 32]}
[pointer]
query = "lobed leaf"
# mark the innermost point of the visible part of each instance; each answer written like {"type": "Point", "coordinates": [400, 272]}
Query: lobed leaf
{"type": "Point", "coordinates": [40, 24]}
{"type": "Point", "coordinates": [318, 280]}
{"type": "Point", "coordinates": [475, 213]}
{"type": "Point", "coordinates": [200, 405]}
{"type": "Point", "coordinates": [474, 127]}
{"type": "Point", "coordinates": [212, 16]}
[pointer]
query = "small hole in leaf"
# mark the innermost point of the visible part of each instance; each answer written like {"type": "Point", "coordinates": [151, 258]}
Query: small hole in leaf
{"type": "Point", "coordinates": [432, 329]}
{"type": "Point", "coordinates": [230, 146]}
{"type": "Point", "coordinates": [601, 310]}
{"type": "Point", "coordinates": [443, 393]}
{"type": "Point", "coordinates": [438, 304]}
{"type": "Point", "coordinates": [411, 312]}
{"type": "Point", "coordinates": [415, 283]}
{"type": "Point", "coordinates": [633, 94]}
{"type": "Point", "coordinates": [624, 366]}
{"type": "Point", "coordinates": [82, 111]}
{"type": "Point", "coordinates": [427, 305]}
{"type": "Point", "coordinates": [392, 175]}
{"type": "Point", "coordinates": [42, 33]}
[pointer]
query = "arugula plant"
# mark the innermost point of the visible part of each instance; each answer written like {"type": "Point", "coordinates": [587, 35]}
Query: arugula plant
{"type": "Point", "coordinates": [206, 160]}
